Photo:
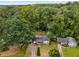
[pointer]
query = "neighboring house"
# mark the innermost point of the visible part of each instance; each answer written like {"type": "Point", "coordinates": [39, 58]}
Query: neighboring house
{"type": "Point", "coordinates": [41, 39]}
{"type": "Point", "coordinates": [62, 40]}
{"type": "Point", "coordinates": [71, 42]}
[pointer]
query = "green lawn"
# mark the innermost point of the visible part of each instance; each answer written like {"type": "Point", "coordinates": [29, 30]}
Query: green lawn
{"type": "Point", "coordinates": [53, 45]}
{"type": "Point", "coordinates": [44, 49]}
{"type": "Point", "coordinates": [70, 52]}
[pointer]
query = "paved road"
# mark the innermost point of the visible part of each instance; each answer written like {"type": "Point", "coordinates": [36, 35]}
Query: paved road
{"type": "Point", "coordinates": [33, 50]}
{"type": "Point", "coordinates": [60, 50]}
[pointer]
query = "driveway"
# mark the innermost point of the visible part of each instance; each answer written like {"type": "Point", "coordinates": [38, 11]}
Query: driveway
{"type": "Point", "coordinates": [60, 50]}
{"type": "Point", "coordinates": [33, 49]}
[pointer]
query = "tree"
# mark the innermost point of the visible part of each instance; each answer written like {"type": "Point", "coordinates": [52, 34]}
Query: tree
{"type": "Point", "coordinates": [19, 23]}
{"type": "Point", "coordinates": [38, 51]}
{"type": "Point", "coordinates": [16, 29]}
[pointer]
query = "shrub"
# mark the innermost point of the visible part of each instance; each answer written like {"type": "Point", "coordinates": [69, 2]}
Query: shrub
{"type": "Point", "coordinates": [38, 51]}
{"type": "Point", "coordinates": [54, 53]}
{"type": "Point", "coordinates": [65, 45]}
{"type": "Point", "coordinates": [78, 44]}
{"type": "Point", "coordinates": [4, 48]}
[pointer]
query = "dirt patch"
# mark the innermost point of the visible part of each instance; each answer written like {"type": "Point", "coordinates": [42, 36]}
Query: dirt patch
{"type": "Point", "coordinates": [12, 50]}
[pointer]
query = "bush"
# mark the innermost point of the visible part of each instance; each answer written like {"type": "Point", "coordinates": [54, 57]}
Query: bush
{"type": "Point", "coordinates": [4, 48]}
{"type": "Point", "coordinates": [54, 53]}
{"type": "Point", "coordinates": [78, 44]}
{"type": "Point", "coordinates": [65, 45]}
{"type": "Point", "coordinates": [38, 51]}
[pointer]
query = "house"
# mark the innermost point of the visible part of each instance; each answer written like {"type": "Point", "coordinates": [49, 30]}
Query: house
{"type": "Point", "coordinates": [39, 39]}
{"type": "Point", "coordinates": [71, 42]}
{"type": "Point", "coordinates": [62, 40]}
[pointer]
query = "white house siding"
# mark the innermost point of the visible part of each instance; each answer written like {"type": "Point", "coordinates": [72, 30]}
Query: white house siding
{"type": "Point", "coordinates": [46, 42]}
{"type": "Point", "coordinates": [71, 44]}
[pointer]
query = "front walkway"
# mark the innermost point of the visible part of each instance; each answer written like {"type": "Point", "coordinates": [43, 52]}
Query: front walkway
{"type": "Point", "coordinates": [60, 50]}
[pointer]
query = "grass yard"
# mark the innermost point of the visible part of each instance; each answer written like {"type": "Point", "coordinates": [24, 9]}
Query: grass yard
{"type": "Point", "coordinates": [70, 52]}
{"type": "Point", "coordinates": [44, 49]}
{"type": "Point", "coordinates": [53, 45]}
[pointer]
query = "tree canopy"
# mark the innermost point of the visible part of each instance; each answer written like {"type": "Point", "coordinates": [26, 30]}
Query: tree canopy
{"type": "Point", "coordinates": [19, 23]}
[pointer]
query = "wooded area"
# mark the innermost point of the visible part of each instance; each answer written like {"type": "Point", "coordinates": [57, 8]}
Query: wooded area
{"type": "Point", "coordinates": [18, 24]}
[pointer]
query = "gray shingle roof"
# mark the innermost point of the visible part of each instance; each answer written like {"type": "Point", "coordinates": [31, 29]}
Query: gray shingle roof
{"type": "Point", "coordinates": [62, 40]}
{"type": "Point", "coordinates": [41, 39]}
{"type": "Point", "coordinates": [70, 39]}
{"type": "Point", "coordinates": [66, 40]}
